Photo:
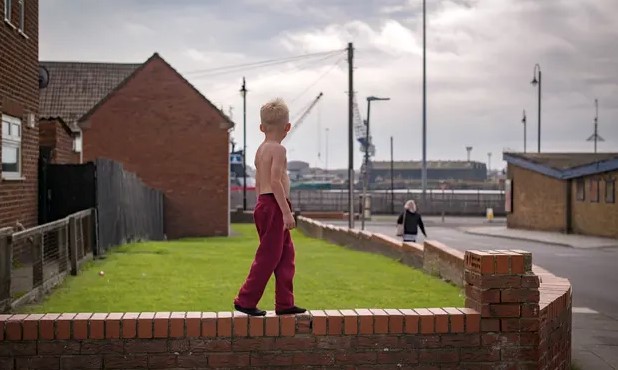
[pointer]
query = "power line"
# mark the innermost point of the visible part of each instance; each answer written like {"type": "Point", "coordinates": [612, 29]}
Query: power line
{"type": "Point", "coordinates": [263, 63]}
{"type": "Point", "coordinates": [318, 79]}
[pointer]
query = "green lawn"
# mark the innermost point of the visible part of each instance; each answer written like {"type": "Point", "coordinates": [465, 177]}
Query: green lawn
{"type": "Point", "coordinates": [205, 275]}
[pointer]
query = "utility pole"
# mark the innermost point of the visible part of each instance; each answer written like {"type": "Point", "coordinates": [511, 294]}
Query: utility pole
{"type": "Point", "coordinates": [424, 170]}
{"type": "Point", "coordinates": [523, 120]}
{"type": "Point", "coordinates": [534, 83]}
{"type": "Point", "coordinates": [243, 91]}
{"type": "Point", "coordinates": [392, 183]}
{"type": "Point", "coordinates": [350, 135]}
{"type": "Point", "coordinates": [468, 149]}
{"type": "Point", "coordinates": [595, 136]}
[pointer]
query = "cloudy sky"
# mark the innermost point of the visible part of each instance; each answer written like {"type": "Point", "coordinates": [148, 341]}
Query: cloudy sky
{"type": "Point", "coordinates": [480, 60]}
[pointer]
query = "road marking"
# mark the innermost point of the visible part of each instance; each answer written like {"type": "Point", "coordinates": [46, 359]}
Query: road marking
{"type": "Point", "coordinates": [584, 310]}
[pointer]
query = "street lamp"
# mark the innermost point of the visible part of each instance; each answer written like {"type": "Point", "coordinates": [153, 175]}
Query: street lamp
{"type": "Point", "coordinates": [534, 82]}
{"type": "Point", "coordinates": [367, 146]}
{"type": "Point", "coordinates": [523, 120]}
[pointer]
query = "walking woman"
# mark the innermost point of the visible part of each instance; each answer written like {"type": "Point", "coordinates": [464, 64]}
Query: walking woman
{"type": "Point", "coordinates": [409, 222]}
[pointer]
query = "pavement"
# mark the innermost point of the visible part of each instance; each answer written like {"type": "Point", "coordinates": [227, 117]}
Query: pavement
{"type": "Point", "coordinates": [588, 262]}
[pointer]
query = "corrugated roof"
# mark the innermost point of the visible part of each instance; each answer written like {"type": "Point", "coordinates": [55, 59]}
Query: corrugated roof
{"type": "Point", "coordinates": [565, 161]}
{"type": "Point", "coordinates": [414, 165]}
{"type": "Point", "coordinates": [75, 87]}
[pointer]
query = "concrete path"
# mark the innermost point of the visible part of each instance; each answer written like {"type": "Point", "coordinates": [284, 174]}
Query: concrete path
{"type": "Point", "coordinates": [569, 240]}
{"type": "Point", "coordinates": [591, 272]}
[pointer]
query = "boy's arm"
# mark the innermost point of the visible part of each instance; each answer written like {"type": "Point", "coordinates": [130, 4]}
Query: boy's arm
{"type": "Point", "coordinates": [276, 173]}
{"type": "Point", "coordinates": [257, 183]}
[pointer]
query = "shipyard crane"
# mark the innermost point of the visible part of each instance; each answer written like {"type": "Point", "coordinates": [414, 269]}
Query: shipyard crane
{"type": "Point", "coordinates": [360, 130]}
{"type": "Point", "coordinates": [304, 115]}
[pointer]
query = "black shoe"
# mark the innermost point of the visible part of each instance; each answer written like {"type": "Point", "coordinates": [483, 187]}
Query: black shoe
{"type": "Point", "coordinates": [250, 311]}
{"type": "Point", "coordinates": [291, 311]}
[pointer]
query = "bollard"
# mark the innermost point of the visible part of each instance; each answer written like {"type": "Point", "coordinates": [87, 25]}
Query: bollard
{"type": "Point", "coordinates": [490, 214]}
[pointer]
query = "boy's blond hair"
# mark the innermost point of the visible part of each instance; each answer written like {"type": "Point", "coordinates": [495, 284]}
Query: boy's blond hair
{"type": "Point", "coordinates": [275, 113]}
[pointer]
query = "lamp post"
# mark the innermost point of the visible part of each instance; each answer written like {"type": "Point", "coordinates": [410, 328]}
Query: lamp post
{"type": "Point", "coordinates": [523, 120]}
{"type": "Point", "coordinates": [534, 82]}
{"type": "Point", "coordinates": [367, 146]}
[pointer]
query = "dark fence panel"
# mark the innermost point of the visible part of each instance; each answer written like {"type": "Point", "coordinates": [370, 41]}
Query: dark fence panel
{"type": "Point", "coordinates": [127, 209]}
{"type": "Point", "coordinates": [66, 189]}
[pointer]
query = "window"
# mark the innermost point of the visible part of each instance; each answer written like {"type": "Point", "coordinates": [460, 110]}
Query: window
{"type": "Point", "coordinates": [22, 15]}
{"type": "Point", "coordinates": [594, 190]}
{"type": "Point", "coordinates": [581, 189]}
{"type": "Point", "coordinates": [610, 191]}
{"type": "Point", "coordinates": [77, 143]}
{"type": "Point", "coordinates": [11, 147]}
{"type": "Point", "coordinates": [7, 10]}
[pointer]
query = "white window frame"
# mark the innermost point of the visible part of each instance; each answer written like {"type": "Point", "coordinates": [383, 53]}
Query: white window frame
{"type": "Point", "coordinates": [22, 16]}
{"type": "Point", "coordinates": [8, 6]}
{"type": "Point", "coordinates": [13, 141]}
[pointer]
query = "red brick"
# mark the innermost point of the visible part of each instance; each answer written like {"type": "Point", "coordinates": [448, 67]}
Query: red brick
{"type": "Point", "coordinates": [456, 319]}
{"type": "Point", "coordinates": [211, 345]}
{"type": "Point", "coordinates": [240, 324]}
{"type": "Point", "coordinates": [380, 320]}
{"type": "Point", "coordinates": [517, 264]}
{"type": "Point", "coordinates": [192, 360]}
{"type": "Point", "coordinates": [92, 347]}
{"type": "Point", "coordinates": [426, 319]}
{"type": "Point", "coordinates": [519, 354]}
{"type": "Point", "coordinates": [523, 295]}
{"type": "Point", "coordinates": [490, 325]}
{"type": "Point", "coordinates": [395, 321]}
{"type": "Point", "coordinates": [460, 340]}
{"type": "Point", "coordinates": [318, 322]}
{"type": "Point", "coordinates": [491, 354]}
{"type": "Point", "coordinates": [504, 310]}
{"type": "Point", "coordinates": [145, 346]}
{"type": "Point", "coordinates": [334, 342]}
{"type": "Point", "coordinates": [177, 325]}
{"type": "Point", "coordinates": [313, 359]}
{"type": "Point", "coordinates": [335, 322]}
{"type": "Point", "coordinates": [473, 320]}
{"type": "Point", "coordinates": [438, 355]}
{"type": "Point", "coordinates": [350, 322]}
{"type": "Point", "coordinates": [129, 325]}
{"type": "Point", "coordinates": [530, 281]}
{"type": "Point", "coordinates": [502, 264]}
{"type": "Point", "coordinates": [33, 362]}
{"type": "Point", "coordinates": [224, 324]}
{"type": "Point", "coordinates": [63, 326]}
{"type": "Point", "coordinates": [81, 362]}
{"type": "Point", "coordinates": [441, 320]}
{"type": "Point", "coordinates": [14, 327]}
{"type": "Point", "coordinates": [272, 324]}
{"type": "Point", "coordinates": [31, 327]}
{"type": "Point", "coordinates": [47, 325]}
{"type": "Point", "coordinates": [297, 343]}
{"type": "Point", "coordinates": [516, 325]}
{"type": "Point", "coordinates": [411, 321]}
{"type": "Point", "coordinates": [303, 324]}
{"type": "Point", "coordinates": [288, 325]}
{"type": "Point", "coordinates": [112, 325]}
{"type": "Point", "coordinates": [161, 324]}
{"type": "Point", "coordinates": [144, 325]}
{"type": "Point", "coordinates": [226, 360]}
{"type": "Point", "coordinates": [256, 326]}
{"type": "Point", "coordinates": [365, 321]}
{"type": "Point", "coordinates": [162, 361]}
{"type": "Point", "coordinates": [398, 357]}
{"type": "Point", "coordinates": [127, 361]}
{"type": "Point", "coordinates": [356, 358]}
{"type": "Point", "coordinates": [195, 327]}
{"type": "Point", "coordinates": [97, 326]}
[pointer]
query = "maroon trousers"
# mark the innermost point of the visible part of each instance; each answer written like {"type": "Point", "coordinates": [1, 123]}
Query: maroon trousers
{"type": "Point", "coordinates": [274, 255]}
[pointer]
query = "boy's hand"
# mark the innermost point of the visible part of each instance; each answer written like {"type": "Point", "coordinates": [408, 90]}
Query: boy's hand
{"type": "Point", "coordinates": [288, 220]}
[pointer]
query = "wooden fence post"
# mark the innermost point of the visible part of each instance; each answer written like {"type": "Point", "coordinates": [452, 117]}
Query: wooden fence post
{"type": "Point", "coordinates": [73, 244]}
{"type": "Point", "coordinates": [6, 260]}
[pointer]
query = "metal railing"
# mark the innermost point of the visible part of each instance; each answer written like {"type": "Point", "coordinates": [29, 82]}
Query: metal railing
{"type": "Point", "coordinates": [37, 259]}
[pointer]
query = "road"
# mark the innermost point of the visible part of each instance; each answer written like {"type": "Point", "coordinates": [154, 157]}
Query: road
{"type": "Point", "coordinates": [592, 273]}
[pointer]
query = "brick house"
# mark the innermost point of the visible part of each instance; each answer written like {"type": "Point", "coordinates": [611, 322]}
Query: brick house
{"type": "Point", "coordinates": [58, 142]}
{"type": "Point", "coordinates": [563, 192]}
{"type": "Point", "coordinates": [19, 100]}
{"type": "Point", "coordinates": [153, 121]}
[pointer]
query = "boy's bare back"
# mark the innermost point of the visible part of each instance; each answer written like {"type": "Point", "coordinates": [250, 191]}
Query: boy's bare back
{"type": "Point", "coordinates": [271, 166]}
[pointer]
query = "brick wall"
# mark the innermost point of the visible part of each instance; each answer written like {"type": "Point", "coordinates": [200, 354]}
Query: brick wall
{"type": "Point", "coordinates": [505, 329]}
{"type": "Point", "coordinates": [163, 130]}
{"type": "Point", "coordinates": [54, 134]}
{"type": "Point", "coordinates": [19, 96]}
{"type": "Point", "coordinates": [539, 201]}
{"type": "Point", "coordinates": [595, 218]}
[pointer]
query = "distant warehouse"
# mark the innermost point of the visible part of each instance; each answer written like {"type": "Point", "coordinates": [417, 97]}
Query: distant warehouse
{"type": "Point", "coordinates": [436, 171]}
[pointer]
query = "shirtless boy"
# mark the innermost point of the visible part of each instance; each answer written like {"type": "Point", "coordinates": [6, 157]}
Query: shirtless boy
{"type": "Point", "coordinates": [273, 219]}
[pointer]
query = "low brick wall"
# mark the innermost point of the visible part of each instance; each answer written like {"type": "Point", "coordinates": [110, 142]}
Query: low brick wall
{"type": "Point", "coordinates": [514, 319]}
